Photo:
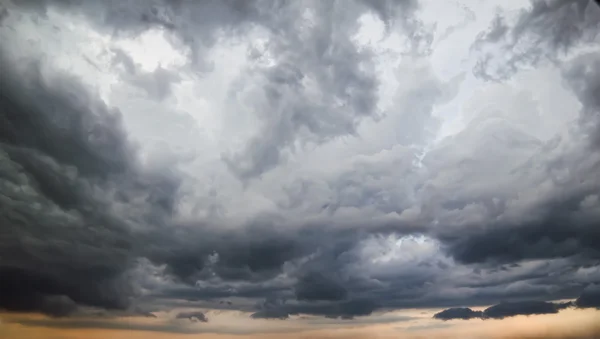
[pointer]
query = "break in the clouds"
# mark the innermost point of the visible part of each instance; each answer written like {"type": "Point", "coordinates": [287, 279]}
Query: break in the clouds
{"type": "Point", "coordinates": [292, 158]}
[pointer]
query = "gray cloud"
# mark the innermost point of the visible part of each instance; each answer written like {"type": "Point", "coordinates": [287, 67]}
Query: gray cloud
{"type": "Point", "coordinates": [560, 224]}
{"type": "Point", "coordinates": [299, 48]}
{"type": "Point", "coordinates": [589, 298]}
{"type": "Point", "coordinates": [582, 76]}
{"type": "Point", "coordinates": [547, 30]}
{"type": "Point", "coordinates": [463, 313]}
{"type": "Point", "coordinates": [3, 13]}
{"type": "Point", "coordinates": [61, 154]}
{"type": "Point", "coordinates": [495, 212]}
{"type": "Point", "coordinates": [315, 286]}
{"type": "Point", "coordinates": [523, 308]}
{"type": "Point", "coordinates": [345, 310]}
{"type": "Point", "coordinates": [157, 84]}
{"type": "Point", "coordinates": [290, 108]}
{"type": "Point", "coordinates": [193, 316]}
{"type": "Point", "coordinates": [503, 310]}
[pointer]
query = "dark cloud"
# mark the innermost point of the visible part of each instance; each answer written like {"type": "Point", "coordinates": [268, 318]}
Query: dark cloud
{"type": "Point", "coordinates": [345, 310]}
{"type": "Point", "coordinates": [390, 10]}
{"type": "Point", "coordinates": [66, 165]}
{"type": "Point", "coordinates": [274, 313]}
{"type": "Point", "coordinates": [582, 76]}
{"type": "Point", "coordinates": [464, 313]}
{"type": "Point", "coordinates": [559, 232]}
{"type": "Point", "coordinates": [400, 14]}
{"type": "Point", "coordinates": [547, 30]}
{"type": "Point", "coordinates": [561, 224]}
{"type": "Point", "coordinates": [290, 108]}
{"type": "Point", "coordinates": [193, 316]}
{"type": "Point", "coordinates": [271, 308]}
{"type": "Point", "coordinates": [97, 183]}
{"type": "Point", "coordinates": [327, 277]}
{"type": "Point", "coordinates": [315, 286]}
{"type": "Point", "coordinates": [503, 310]}
{"type": "Point", "coordinates": [3, 13]}
{"type": "Point", "coordinates": [257, 253]}
{"type": "Point", "coordinates": [247, 272]}
{"type": "Point", "coordinates": [298, 48]}
{"type": "Point", "coordinates": [589, 298]}
{"type": "Point", "coordinates": [87, 224]}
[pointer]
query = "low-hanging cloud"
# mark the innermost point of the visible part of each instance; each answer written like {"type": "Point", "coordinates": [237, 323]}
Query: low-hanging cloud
{"type": "Point", "coordinates": [193, 316]}
{"type": "Point", "coordinates": [503, 310]}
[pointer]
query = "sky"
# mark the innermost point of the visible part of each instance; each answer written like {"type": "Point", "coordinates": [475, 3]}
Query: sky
{"type": "Point", "coordinates": [299, 169]}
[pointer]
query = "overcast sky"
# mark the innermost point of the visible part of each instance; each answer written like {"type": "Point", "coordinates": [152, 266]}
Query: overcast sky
{"type": "Point", "coordinates": [233, 167]}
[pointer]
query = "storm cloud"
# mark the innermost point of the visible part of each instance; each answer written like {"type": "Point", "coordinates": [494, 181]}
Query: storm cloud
{"type": "Point", "coordinates": [193, 316]}
{"type": "Point", "coordinates": [503, 310]}
{"type": "Point", "coordinates": [546, 30]}
{"type": "Point", "coordinates": [589, 298]}
{"type": "Point", "coordinates": [66, 170]}
{"type": "Point", "coordinates": [283, 159]}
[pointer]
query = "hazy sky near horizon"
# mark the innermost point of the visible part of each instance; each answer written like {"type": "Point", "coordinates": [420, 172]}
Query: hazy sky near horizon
{"type": "Point", "coordinates": [343, 167]}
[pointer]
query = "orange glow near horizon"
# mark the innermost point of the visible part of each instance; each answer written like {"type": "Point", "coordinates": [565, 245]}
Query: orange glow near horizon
{"type": "Point", "coordinates": [567, 324]}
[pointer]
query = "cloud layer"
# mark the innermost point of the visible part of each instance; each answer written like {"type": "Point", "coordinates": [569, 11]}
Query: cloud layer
{"type": "Point", "coordinates": [503, 310]}
{"type": "Point", "coordinates": [285, 159]}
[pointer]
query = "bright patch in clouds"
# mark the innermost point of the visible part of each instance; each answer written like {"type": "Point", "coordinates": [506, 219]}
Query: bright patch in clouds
{"type": "Point", "coordinates": [152, 50]}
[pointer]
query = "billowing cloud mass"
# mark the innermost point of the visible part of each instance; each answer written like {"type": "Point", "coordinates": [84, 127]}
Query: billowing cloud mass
{"type": "Point", "coordinates": [545, 30]}
{"type": "Point", "coordinates": [189, 160]}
